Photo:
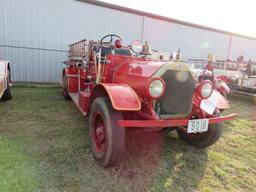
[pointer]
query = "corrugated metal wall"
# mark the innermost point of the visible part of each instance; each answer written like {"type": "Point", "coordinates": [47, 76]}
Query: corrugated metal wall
{"type": "Point", "coordinates": [35, 34]}
{"type": "Point", "coordinates": [245, 47]}
{"type": "Point", "coordinates": [193, 42]}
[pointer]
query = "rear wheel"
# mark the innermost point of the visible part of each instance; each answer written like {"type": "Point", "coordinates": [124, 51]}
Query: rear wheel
{"type": "Point", "coordinates": [7, 95]}
{"type": "Point", "coordinates": [202, 140]}
{"type": "Point", "coordinates": [106, 137]}
{"type": "Point", "coordinates": [65, 88]}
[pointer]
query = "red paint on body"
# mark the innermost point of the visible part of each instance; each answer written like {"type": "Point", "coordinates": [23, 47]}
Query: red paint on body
{"type": "Point", "coordinates": [124, 80]}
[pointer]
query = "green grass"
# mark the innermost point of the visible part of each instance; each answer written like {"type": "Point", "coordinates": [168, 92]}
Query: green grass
{"type": "Point", "coordinates": [44, 146]}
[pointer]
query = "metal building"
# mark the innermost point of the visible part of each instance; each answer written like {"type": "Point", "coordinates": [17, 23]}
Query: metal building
{"type": "Point", "coordinates": [34, 34]}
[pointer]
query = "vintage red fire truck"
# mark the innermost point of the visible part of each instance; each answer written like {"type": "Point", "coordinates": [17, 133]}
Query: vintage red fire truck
{"type": "Point", "coordinates": [119, 87]}
{"type": "Point", "coordinates": [5, 80]}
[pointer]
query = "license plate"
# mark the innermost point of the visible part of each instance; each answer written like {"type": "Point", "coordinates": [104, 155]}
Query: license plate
{"type": "Point", "coordinates": [197, 125]}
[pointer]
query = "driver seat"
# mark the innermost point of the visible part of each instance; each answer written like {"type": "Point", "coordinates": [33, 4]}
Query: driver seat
{"type": "Point", "coordinates": [105, 51]}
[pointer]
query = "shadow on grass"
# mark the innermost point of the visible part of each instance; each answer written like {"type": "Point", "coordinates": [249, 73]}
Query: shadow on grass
{"type": "Point", "coordinates": [153, 162]}
{"type": "Point", "coordinates": [182, 167]}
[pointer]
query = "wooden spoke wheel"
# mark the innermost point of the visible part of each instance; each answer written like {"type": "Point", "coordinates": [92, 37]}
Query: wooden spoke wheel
{"type": "Point", "coordinates": [107, 138]}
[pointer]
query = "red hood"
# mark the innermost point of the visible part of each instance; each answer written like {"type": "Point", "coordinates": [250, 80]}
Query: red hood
{"type": "Point", "coordinates": [136, 74]}
{"type": "Point", "coordinates": [140, 68]}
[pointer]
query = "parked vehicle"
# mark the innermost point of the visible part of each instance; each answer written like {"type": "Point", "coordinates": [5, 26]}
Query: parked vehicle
{"type": "Point", "coordinates": [5, 80]}
{"type": "Point", "coordinates": [246, 83]}
{"type": "Point", "coordinates": [119, 88]}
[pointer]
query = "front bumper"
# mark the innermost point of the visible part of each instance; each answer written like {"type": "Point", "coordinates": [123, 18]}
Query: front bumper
{"type": "Point", "coordinates": [169, 122]}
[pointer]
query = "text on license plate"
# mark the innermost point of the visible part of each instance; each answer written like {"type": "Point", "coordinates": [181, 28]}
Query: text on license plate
{"type": "Point", "coordinates": [197, 125]}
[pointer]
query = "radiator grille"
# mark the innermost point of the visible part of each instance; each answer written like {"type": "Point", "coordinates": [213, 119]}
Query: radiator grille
{"type": "Point", "coordinates": [180, 87]}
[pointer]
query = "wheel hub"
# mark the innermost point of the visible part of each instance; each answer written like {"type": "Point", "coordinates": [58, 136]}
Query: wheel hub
{"type": "Point", "coordinates": [98, 132]}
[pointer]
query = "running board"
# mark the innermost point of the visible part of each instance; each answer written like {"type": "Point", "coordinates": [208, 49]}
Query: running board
{"type": "Point", "coordinates": [75, 98]}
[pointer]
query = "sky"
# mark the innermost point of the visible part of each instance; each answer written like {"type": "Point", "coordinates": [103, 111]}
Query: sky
{"type": "Point", "coordinates": [237, 16]}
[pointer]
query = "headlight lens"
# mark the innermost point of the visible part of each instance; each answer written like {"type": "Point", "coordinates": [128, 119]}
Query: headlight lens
{"type": "Point", "coordinates": [156, 88]}
{"type": "Point", "coordinates": [137, 46]}
{"type": "Point", "coordinates": [206, 89]}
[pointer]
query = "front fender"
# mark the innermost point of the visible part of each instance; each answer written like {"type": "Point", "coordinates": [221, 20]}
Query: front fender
{"type": "Point", "coordinates": [3, 75]}
{"type": "Point", "coordinates": [216, 100]}
{"type": "Point", "coordinates": [222, 102]}
{"type": "Point", "coordinates": [122, 96]}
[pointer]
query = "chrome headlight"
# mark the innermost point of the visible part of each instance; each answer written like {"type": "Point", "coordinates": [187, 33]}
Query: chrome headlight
{"type": "Point", "coordinates": [205, 89]}
{"type": "Point", "coordinates": [156, 88]}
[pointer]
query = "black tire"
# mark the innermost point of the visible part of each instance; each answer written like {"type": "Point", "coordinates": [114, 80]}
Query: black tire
{"type": "Point", "coordinates": [7, 95]}
{"type": "Point", "coordinates": [114, 136]}
{"type": "Point", "coordinates": [203, 140]}
{"type": "Point", "coordinates": [165, 131]}
{"type": "Point", "coordinates": [65, 88]}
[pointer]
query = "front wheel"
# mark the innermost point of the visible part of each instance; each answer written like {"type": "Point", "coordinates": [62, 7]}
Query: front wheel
{"type": "Point", "coordinates": [106, 137]}
{"type": "Point", "coordinates": [202, 140]}
{"type": "Point", "coordinates": [205, 139]}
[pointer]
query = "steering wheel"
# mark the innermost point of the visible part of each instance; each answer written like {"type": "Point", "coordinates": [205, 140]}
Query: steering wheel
{"type": "Point", "coordinates": [108, 44]}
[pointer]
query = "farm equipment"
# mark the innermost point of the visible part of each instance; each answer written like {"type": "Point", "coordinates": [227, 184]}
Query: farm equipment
{"type": "Point", "coordinates": [5, 80]}
{"type": "Point", "coordinates": [245, 78]}
{"type": "Point", "coordinates": [246, 82]}
{"type": "Point", "coordinates": [118, 87]}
